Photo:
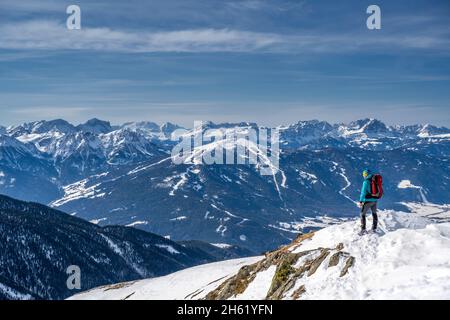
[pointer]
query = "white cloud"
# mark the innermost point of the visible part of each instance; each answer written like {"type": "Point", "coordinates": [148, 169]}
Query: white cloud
{"type": "Point", "coordinates": [32, 6]}
{"type": "Point", "coordinates": [33, 113]}
{"type": "Point", "coordinates": [50, 35]}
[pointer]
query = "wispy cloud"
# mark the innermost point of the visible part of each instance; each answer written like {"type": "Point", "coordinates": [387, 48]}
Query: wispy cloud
{"type": "Point", "coordinates": [51, 35]}
{"type": "Point", "coordinates": [32, 113]}
{"type": "Point", "coordinates": [27, 6]}
{"type": "Point", "coordinates": [22, 55]}
{"type": "Point", "coordinates": [264, 5]}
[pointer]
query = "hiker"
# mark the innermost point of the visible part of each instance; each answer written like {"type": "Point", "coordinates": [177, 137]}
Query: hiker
{"type": "Point", "coordinates": [371, 191]}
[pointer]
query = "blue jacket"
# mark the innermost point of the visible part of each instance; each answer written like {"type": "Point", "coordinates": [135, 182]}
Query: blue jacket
{"type": "Point", "coordinates": [365, 189]}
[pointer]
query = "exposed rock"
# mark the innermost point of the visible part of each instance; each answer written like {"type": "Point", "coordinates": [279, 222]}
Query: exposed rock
{"type": "Point", "coordinates": [281, 258]}
{"type": "Point", "coordinates": [302, 237]}
{"type": "Point", "coordinates": [287, 273]}
{"type": "Point", "coordinates": [298, 292]}
{"type": "Point", "coordinates": [336, 257]}
{"type": "Point", "coordinates": [119, 285]}
{"type": "Point", "coordinates": [283, 271]}
{"type": "Point", "coordinates": [287, 285]}
{"type": "Point", "coordinates": [236, 285]}
{"type": "Point", "coordinates": [348, 264]}
{"type": "Point", "coordinates": [315, 264]}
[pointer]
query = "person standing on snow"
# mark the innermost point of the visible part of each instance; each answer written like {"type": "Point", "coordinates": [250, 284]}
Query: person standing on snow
{"type": "Point", "coordinates": [367, 201]}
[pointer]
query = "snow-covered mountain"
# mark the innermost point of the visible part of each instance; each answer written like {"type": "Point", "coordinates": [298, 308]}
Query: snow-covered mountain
{"type": "Point", "coordinates": [79, 151]}
{"type": "Point", "coordinates": [57, 126]}
{"type": "Point", "coordinates": [369, 134]}
{"type": "Point", "coordinates": [38, 244]}
{"type": "Point", "coordinates": [95, 126]}
{"type": "Point", "coordinates": [124, 175]}
{"type": "Point", "coordinates": [25, 173]}
{"type": "Point", "coordinates": [236, 205]}
{"type": "Point", "coordinates": [408, 259]}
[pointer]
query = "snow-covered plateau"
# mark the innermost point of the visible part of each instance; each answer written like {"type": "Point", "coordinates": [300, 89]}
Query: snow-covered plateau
{"type": "Point", "coordinates": [409, 258]}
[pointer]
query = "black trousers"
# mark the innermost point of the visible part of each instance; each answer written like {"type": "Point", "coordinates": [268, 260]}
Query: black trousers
{"type": "Point", "coordinates": [372, 205]}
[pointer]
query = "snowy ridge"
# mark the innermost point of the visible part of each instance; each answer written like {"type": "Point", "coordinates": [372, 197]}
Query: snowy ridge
{"type": "Point", "coordinates": [175, 286]}
{"type": "Point", "coordinates": [408, 259]}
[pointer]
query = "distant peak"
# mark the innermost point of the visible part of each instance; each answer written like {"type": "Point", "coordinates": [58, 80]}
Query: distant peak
{"type": "Point", "coordinates": [212, 125]}
{"type": "Point", "coordinates": [95, 121]}
{"type": "Point", "coordinates": [147, 125]}
{"type": "Point", "coordinates": [169, 126]}
{"type": "Point", "coordinates": [369, 125]}
{"type": "Point", "coordinates": [95, 125]}
{"type": "Point", "coordinates": [52, 125]}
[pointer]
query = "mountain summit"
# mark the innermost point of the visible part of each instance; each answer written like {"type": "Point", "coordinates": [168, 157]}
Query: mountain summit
{"type": "Point", "coordinates": [95, 126]}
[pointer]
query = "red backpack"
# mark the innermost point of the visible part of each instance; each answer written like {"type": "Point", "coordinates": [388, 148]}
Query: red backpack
{"type": "Point", "coordinates": [376, 186]}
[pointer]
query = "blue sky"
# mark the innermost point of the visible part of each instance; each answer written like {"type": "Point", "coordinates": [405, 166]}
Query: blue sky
{"type": "Point", "coordinates": [272, 62]}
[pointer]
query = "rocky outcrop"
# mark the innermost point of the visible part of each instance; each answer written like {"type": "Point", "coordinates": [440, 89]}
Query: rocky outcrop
{"type": "Point", "coordinates": [293, 268]}
{"type": "Point", "coordinates": [348, 264]}
{"type": "Point", "coordinates": [298, 292]}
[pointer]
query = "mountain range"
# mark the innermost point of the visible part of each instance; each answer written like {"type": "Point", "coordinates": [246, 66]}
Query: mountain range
{"type": "Point", "coordinates": [124, 175]}
{"type": "Point", "coordinates": [38, 244]}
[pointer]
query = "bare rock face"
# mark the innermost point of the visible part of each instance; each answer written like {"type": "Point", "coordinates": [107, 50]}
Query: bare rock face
{"type": "Point", "coordinates": [236, 285]}
{"type": "Point", "coordinates": [348, 264]}
{"type": "Point", "coordinates": [298, 292]}
{"type": "Point", "coordinates": [285, 276]}
{"type": "Point", "coordinates": [318, 261]}
{"type": "Point", "coordinates": [292, 268]}
{"type": "Point", "coordinates": [336, 258]}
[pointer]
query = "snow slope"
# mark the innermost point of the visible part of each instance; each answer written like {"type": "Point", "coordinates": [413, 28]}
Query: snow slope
{"type": "Point", "coordinates": [432, 211]}
{"type": "Point", "coordinates": [192, 283]}
{"type": "Point", "coordinates": [408, 259]}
